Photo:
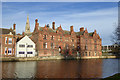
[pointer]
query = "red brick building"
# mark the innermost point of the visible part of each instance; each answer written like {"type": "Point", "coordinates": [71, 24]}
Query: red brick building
{"type": "Point", "coordinates": [51, 41]}
{"type": "Point", "coordinates": [89, 43]}
{"type": "Point", "coordinates": [8, 41]}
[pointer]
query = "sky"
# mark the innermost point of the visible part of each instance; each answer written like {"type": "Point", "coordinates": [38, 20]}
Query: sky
{"type": "Point", "coordinates": [102, 16]}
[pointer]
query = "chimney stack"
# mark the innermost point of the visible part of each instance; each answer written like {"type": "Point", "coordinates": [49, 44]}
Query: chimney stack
{"type": "Point", "coordinates": [81, 29]}
{"type": "Point", "coordinates": [14, 26]}
{"type": "Point", "coordinates": [94, 31]}
{"type": "Point", "coordinates": [23, 33]}
{"type": "Point", "coordinates": [53, 25]}
{"type": "Point", "coordinates": [71, 28]}
{"type": "Point", "coordinates": [36, 21]}
{"type": "Point", "coordinates": [36, 25]}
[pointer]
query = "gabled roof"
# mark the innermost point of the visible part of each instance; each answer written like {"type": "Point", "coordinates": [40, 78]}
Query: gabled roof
{"type": "Point", "coordinates": [6, 31]}
{"type": "Point", "coordinates": [22, 39]}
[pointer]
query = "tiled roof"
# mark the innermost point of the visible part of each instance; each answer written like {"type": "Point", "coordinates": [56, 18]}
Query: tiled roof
{"type": "Point", "coordinates": [49, 29]}
{"type": "Point", "coordinates": [66, 32]}
{"type": "Point", "coordinates": [80, 33]}
{"type": "Point", "coordinates": [6, 31]}
{"type": "Point", "coordinates": [91, 34]}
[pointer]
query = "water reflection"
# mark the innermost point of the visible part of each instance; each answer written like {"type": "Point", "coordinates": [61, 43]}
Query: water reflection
{"type": "Point", "coordinates": [8, 69]}
{"type": "Point", "coordinates": [110, 67]}
{"type": "Point", "coordinates": [69, 69]}
{"type": "Point", "coordinates": [91, 68]}
{"type": "Point", "coordinates": [18, 69]}
{"type": "Point", "coordinates": [25, 69]}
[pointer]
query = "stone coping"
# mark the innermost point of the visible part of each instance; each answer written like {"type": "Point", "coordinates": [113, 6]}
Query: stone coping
{"type": "Point", "coordinates": [14, 59]}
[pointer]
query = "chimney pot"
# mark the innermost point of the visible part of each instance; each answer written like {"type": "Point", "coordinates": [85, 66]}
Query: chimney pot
{"type": "Point", "coordinates": [53, 25]}
{"type": "Point", "coordinates": [81, 29]}
{"type": "Point", "coordinates": [36, 20]}
{"type": "Point", "coordinates": [71, 28]}
{"type": "Point", "coordinates": [14, 26]}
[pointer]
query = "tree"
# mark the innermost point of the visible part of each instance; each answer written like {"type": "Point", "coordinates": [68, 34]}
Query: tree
{"type": "Point", "coordinates": [116, 39]}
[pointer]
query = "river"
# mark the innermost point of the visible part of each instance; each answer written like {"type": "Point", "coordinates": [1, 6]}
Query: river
{"type": "Point", "coordinates": [87, 68]}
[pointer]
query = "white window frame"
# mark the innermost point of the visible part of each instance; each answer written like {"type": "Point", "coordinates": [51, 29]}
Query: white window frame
{"type": "Point", "coordinates": [45, 45]}
{"type": "Point", "coordinates": [5, 40]}
{"type": "Point", "coordinates": [5, 50]}
{"type": "Point", "coordinates": [10, 39]}
{"type": "Point", "coordinates": [10, 49]}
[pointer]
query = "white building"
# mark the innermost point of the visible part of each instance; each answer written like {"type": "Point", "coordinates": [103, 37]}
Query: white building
{"type": "Point", "coordinates": [25, 47]}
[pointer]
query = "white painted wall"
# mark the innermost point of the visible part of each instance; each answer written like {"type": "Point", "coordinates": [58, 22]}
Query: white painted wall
{"type": "Point", "coordinates": [25, 41]}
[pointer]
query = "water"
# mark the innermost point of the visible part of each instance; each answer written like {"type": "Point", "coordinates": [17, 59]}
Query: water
{"type": "Point", "coordinates": [91, 68]}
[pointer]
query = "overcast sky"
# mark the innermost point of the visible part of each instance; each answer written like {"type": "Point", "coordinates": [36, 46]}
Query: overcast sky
{"type": "Point", "coordinates": [92, 15]}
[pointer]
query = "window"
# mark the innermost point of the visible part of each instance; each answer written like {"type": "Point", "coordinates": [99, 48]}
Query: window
{"type": "Point", "coordinates": [86, 54]}
{"type": "Point", "coordinates": [83, 54]}
{"type": "Point", "coordinates": [30, 46]}
{"type": "Point", "coordinates": [45, 45]}
{"type": "Point", "coordinates": [52, 46]}
{"type": "Point", "coordinates": [10, 41]}
{"type": "Point", "coordinates": [89, 53]}
{"type": "Point", "coordinates": [52, 37]}
{"type": "Point", "coordinates": [66, 46]}
{"type": "Point", "coordinates": [73, 45]}
{"type": "Point", "coordinates": [45, 37]}
{"type": "Point", "coordinates": [60, 38]}
{"type": "Point", "coordinates": [5, 40]}
{"type": "Point", "coordinates": [72, 40]}
{"type": "Point", "coordinates": [29, 52]}
{"type": "Point", "coordinates": [21, 52]}
{"type": "Point", "coordinates": [9, 51]}
{"type": "Point", "coordinates": [95, 54]}
{"type": "Point", "coordinates": [21, 45]}
{"type": "Point", "coordinates": [95, 41]}
{"type": "Point", "coordinates": [95, 46]}
{"type": "Point", "coordinates": [86, 47]}
{"type": "Point", "coordinates": [5, 50]}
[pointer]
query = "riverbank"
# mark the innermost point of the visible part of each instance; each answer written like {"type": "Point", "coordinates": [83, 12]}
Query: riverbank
{"type": "Point", "coordinates": [114, 77]}
{"type": "Point", "coordinates": [5, 59]}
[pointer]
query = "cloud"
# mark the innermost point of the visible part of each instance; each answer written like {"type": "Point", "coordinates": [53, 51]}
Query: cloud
{"type": "Point", "coordinates": [102, 20]}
